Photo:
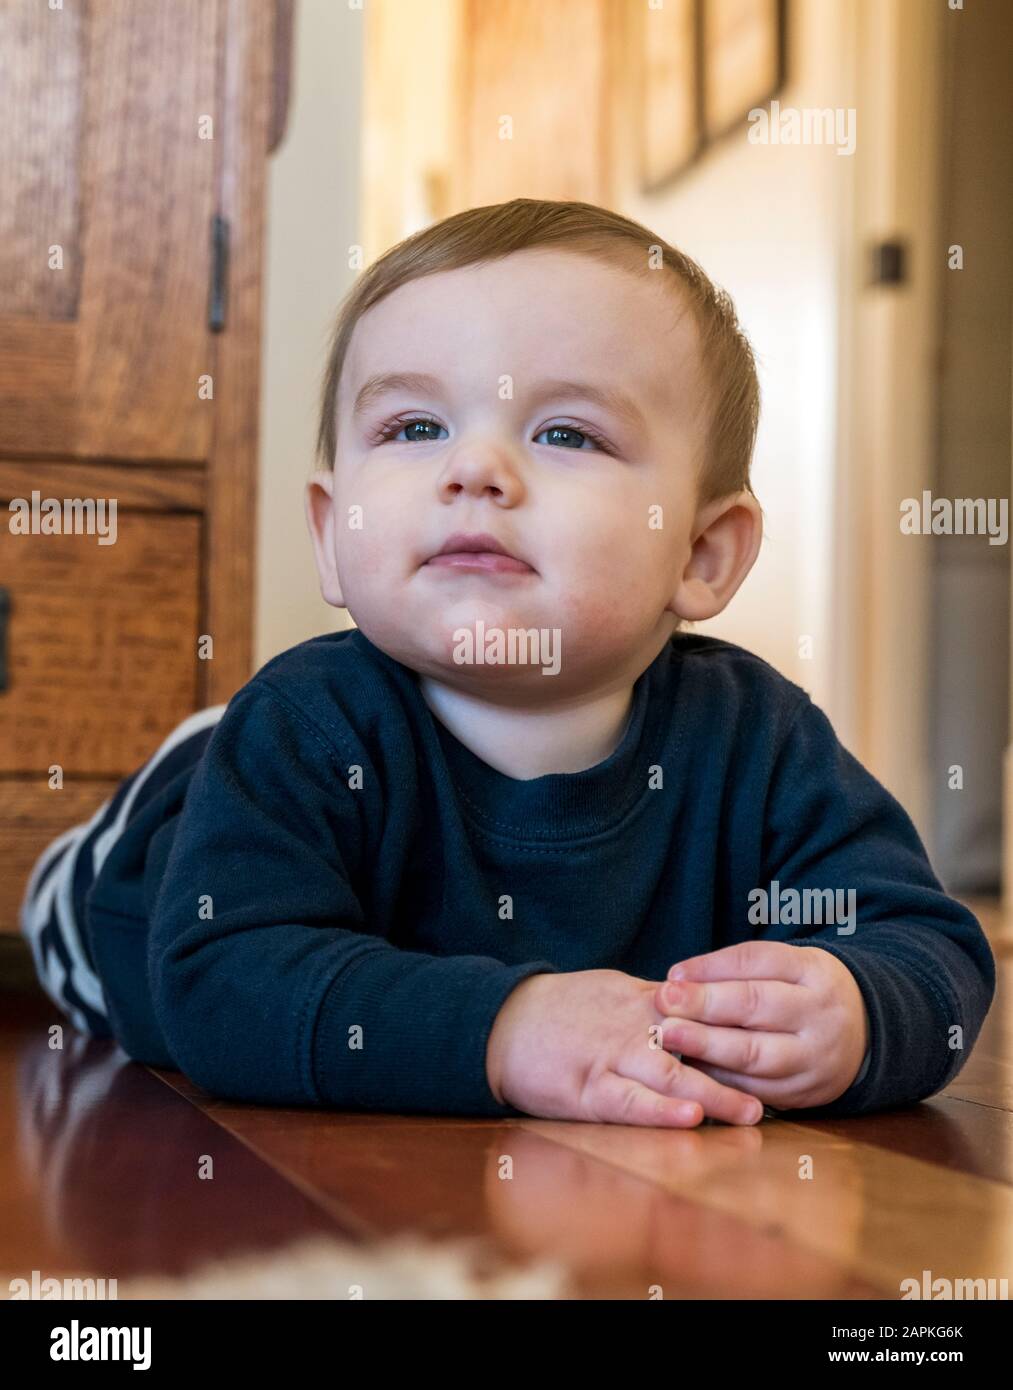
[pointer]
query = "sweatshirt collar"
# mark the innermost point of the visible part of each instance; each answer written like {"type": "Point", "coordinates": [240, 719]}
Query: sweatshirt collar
{"type": "Point", "coordinates": [560, 805]}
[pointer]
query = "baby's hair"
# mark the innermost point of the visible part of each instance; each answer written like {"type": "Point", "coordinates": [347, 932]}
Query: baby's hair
{"type": "Point", "coordinates": [488, 233]}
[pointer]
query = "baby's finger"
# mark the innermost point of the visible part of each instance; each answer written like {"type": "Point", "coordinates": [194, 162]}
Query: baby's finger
{"type": "Point", "coordinates": [741, 1050]}
{"type": "Point", "coordinates": [783, 1092]}
{"type": "Point", "coordinates": [788, 1093]}
{"type": "Point", "coordinates": [767, 1004]}
{"type": "Point", "coordinates": [622, 1100]}
{"type": "Point", "coordinates": [747, 960]}
{"type": "Point", "coordinates": [668, 1076]}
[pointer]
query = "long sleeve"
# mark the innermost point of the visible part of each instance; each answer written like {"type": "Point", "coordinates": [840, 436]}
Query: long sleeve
{"type": "Point", "coordinates": [921, 959]}
{"type": "Point", "coordinates": [268, 979]}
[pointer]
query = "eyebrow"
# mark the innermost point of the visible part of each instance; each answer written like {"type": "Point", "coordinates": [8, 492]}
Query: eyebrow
{"type": "Point", "coordinates": [609, 398]}
{"type": "Point", "coordinates": [383, 382]}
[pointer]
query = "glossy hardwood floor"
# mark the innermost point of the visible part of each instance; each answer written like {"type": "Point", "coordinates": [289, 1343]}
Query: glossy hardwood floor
{"type": "Point", "coordinates": [99, 1174]}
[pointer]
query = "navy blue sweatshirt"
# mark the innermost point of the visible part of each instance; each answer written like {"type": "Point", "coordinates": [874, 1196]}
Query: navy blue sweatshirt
{"type": "Point", "coordinates": [348, 894]}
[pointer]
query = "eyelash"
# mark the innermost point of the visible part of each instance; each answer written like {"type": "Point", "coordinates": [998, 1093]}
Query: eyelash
{"type": "Point", "coordinates": [395, 426]}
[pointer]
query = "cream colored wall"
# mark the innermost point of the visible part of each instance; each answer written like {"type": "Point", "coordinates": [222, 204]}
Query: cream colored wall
{"type": "Point", "coordinates": [766, 222]}
{"type": "Point", "coordinates": [312, 220]}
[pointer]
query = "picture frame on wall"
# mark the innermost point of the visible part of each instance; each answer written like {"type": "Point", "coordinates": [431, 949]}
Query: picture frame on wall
{"type": "Point", "coordinates": [705, 64]}
{"type": "Point", "coordinates": [742, 48]}
{"type": "Point", "coordinates": [670, 92]}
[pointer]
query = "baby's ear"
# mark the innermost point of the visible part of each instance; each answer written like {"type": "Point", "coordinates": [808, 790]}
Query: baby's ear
{"type": "Point", "coordinates": [728, 535]}
{"type": "Point", "coordinates": [319, 503]}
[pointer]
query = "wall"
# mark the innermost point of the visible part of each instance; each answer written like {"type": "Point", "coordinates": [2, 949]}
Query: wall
{"type": "Point", "coordinates": [312, 220]}
{"type": "Point", "coordinates": [765, 222]}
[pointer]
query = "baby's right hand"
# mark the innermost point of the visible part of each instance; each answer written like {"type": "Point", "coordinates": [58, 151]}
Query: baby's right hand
{"type": "Point", "coordinates": [579, 1046]}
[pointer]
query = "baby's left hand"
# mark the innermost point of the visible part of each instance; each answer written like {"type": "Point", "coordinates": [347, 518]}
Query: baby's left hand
{"type": "Point", "coordinates": [785, 1023]}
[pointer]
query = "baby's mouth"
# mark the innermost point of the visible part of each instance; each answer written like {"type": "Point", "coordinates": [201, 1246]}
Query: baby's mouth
{"type": "Point", "coordinates": [478, 553]}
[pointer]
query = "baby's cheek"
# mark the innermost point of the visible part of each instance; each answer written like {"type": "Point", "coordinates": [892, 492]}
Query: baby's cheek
{"type": "Point", "coordinates": [362, 555]}
{"type": "Point", "coordinates": [588, 613]}
{"type": "Point", "coordinates": [612, 589]}
{"type": "Point", "coordinates": [593, 626]}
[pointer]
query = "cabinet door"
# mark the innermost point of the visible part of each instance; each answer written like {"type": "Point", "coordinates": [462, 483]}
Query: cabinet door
{"type": "Point", "coordinates": [107, 190]}
{"type": "Point", "coordinates": [101, 640]}
{"type": "Point", "coordinates": [99, 656]}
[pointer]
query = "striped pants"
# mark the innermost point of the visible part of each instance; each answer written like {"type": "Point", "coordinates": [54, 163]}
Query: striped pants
{"type": "Point", "coordinates": [58, 915]}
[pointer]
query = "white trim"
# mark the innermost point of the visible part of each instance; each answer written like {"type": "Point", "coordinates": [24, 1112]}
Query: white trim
{"type": "Point", "coordinates": [37, 905]}
{"type": "Point", "coordinates": [201, 720]}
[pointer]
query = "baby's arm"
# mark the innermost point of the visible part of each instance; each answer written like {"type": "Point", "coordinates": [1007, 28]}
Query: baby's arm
{"type": "Point", "coordinates": [269, 981]}
{"type": "Point", "coordinates": [920, 959]}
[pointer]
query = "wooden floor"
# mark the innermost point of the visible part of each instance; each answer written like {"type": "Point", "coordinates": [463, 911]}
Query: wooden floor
{"type": "Point", "coordinates": [99, 1159]}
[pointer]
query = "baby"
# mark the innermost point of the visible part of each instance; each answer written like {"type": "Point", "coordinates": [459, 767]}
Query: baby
{"type": "Point", "coordinates": [518, 844]}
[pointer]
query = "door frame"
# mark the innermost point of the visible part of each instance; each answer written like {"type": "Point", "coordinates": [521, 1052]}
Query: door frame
{"type": "Point", "coordinates": [889, 373]}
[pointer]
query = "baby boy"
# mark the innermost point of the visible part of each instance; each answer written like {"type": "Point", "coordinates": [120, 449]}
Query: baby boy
{"type": "Point", "coordinates": [517, 843]}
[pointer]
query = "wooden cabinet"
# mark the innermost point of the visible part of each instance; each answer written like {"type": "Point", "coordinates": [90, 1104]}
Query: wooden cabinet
{"type": "Point", "coordinates": [134, 136]}
{"type": "Point", "coordinates": [109, 186]}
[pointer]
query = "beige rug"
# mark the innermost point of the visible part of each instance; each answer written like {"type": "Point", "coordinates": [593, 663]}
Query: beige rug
{"type": "Point", "coordinates": [322, 1268]}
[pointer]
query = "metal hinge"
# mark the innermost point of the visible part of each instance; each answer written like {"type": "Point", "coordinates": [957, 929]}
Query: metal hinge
{"type": "Point", "coordinates": [219, 273]}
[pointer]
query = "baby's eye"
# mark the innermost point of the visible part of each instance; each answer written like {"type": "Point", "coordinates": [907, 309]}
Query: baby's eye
{"type": "Point", "coordinates": [421, 430]}
{"type": "Point", "coordinates": [569, 437]}
{"type": "Point", "coordinates": [416, 431]}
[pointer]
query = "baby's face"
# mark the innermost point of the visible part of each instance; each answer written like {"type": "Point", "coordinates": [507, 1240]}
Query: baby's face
{"type": "Point", "coordinates": [549, 401]}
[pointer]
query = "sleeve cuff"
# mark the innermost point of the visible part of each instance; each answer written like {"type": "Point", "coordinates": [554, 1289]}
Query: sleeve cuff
{"type": "Point", "coordinates": [407, 1033]}
{"type": "Point", "coordinates": [905, 1015]}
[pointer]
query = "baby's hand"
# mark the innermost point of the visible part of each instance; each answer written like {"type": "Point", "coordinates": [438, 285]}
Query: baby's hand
{"type": "Point", "coordinates": [784, 1023]}
{"type": "Point", "coordinates": [586, 1045]}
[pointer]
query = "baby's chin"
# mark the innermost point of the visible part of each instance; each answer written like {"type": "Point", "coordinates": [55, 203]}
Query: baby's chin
{"type": "Point", "coordinates": [481, 654]}
{"type": "Point", "coordinates": [538, 644]}
{"type": "Point", "coordinates": [477, 656]}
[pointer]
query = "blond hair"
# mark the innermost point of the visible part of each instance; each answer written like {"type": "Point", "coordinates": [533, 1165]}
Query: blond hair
{"type": "Point", "coordinates": [481, 234]}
